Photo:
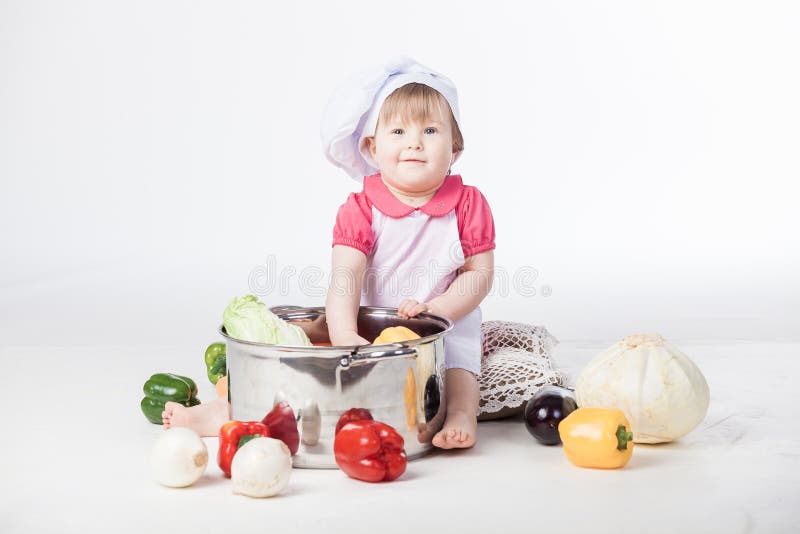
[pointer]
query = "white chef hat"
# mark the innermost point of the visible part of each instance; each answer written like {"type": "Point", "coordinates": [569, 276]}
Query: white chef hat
{"type": "Point", "coordinates": [352, 111]}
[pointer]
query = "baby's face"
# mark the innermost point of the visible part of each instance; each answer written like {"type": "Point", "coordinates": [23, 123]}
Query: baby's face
{"type": "Point", "coordinates": [414, 156]}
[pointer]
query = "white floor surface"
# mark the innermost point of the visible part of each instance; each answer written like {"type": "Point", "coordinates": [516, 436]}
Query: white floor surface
{"type": "Point", "coordinates": [75, 452]}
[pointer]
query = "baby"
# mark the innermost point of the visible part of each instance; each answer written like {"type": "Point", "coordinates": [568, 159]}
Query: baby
{"type": "Point", "coordinates": [415, 238]}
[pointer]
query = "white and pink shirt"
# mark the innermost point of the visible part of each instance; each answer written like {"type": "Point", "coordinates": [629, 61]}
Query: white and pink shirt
{"type": "Point", "coordinates": [415, 253]}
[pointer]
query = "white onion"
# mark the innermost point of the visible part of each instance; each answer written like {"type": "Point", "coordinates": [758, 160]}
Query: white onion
{"type": "Point", "coordinates": [310, 422]}
{"type": "Point", "coordinates": [261, 467]}
{"type": "Point", "coordinates": [179, 457]}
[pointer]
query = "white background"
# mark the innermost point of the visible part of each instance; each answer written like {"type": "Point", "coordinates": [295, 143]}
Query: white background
{"type": "Point", "coordinates": [640, 156]}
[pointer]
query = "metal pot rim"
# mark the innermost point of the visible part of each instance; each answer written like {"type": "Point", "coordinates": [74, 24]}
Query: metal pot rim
{"type": "Point", "coordinates": [297, 312]}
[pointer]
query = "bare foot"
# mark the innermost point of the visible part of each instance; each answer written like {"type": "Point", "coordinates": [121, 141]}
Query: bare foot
{"type": "Point", "coordinates": [205, 419]}
{"type": "Point", "coordinates": [459, 431]}
{"type": "Point", "coordinates": [461, 424]}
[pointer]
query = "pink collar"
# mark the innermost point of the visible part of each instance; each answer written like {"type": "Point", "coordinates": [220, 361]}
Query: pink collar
{"type": "Point", "coordinates": [443, 202]}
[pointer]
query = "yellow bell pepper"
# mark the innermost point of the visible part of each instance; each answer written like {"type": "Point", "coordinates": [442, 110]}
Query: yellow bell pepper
{"type": "Point", "coordinates": [597, 437]}
{"type": "Point", "coordinates": [393, 334]}
{"type": "Point", "coordinates": [410, 398]}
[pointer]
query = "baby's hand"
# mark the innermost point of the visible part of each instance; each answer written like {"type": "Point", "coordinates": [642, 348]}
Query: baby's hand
{"type": "Point", "coordinates": [347, 339]}
{"type": "Point", "coordinates": [412, 308]}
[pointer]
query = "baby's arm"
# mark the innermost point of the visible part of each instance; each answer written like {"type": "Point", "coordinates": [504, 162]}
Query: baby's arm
{"type": "Point", "coordinates": [344, 296]}
{"type": "Point", "coordinates": [467, 291]}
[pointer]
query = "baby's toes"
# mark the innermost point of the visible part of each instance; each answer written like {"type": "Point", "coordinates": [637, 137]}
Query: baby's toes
{"type": "Point", "coordinates": [166, 415]}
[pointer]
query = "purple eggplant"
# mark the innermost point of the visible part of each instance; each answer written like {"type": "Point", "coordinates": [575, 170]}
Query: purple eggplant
{"type": "Point", "coordinates": [546, 409]}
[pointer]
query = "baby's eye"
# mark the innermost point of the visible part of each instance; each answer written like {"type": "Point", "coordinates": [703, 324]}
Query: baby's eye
{"type": "Point", "coordinates": [430, 130]}
{"type": "Point", "coordinates": [397, 131]}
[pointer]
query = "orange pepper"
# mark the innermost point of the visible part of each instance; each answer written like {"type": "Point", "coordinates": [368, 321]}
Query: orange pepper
{"type": "Point", "coordinates": [222, 387]}
{"type": "Point", "coordinates": [597, 437]}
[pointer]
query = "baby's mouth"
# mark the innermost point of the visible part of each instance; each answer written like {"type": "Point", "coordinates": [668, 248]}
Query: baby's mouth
{"type": "Point", "coordinates": [412, 161]}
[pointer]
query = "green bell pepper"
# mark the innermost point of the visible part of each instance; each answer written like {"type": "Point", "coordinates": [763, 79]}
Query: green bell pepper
{"type": "Point", "coordinates": [216, 362]}
{"type": "Point", "coordinates": [163, 387]}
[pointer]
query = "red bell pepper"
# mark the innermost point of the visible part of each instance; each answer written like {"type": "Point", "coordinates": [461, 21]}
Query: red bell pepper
{"type": "Point", "coordinates": [370, 451]}
{"type": "Point", "coordinates": [353, 414]}
{"type": "Point", "coordinates": [283, 426]}
{"type": "Point", "coordinates": [233, 435]}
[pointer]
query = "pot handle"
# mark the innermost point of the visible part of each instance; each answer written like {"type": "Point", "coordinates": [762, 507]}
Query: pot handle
{"type": "Point", "coordinates": [356, 358]}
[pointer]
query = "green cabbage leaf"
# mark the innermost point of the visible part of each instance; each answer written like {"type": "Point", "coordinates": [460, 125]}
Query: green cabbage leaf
{"type": "Point", "coordinates": [248, 319]}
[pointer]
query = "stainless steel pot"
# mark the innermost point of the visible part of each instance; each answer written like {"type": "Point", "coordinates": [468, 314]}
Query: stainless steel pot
{"type": "Point", "coordinates": [401, 384]}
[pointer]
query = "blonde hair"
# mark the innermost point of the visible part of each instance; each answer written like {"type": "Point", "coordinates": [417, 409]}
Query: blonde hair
{"type": "Point", "coordinates": [418, 101]}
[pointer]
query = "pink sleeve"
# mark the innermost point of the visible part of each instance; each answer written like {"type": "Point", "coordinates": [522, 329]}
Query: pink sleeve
{"type": "Point", "coordinates": [475, 222]}
{"type": "Point", "coordinates": [354, 224]}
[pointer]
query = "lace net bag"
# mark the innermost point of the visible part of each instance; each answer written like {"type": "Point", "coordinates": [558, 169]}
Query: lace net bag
{"type": "Point", "coordinates": [515, 363]}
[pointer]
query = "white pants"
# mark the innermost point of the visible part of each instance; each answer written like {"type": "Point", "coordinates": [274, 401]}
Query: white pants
{"type": "Point", "coordinates": [462, 345]}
